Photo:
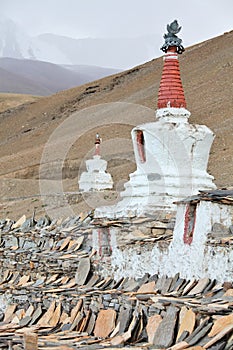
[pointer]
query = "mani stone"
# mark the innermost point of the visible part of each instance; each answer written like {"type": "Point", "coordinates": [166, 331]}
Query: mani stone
{"type": "Point", "coordinates": [83, 271]}
{"type": "Point", "coordinates": [164, 335]}
{"type": "Point", "coordinates": [105, 323]}
{"type": "Point", "coordinates": [152, 326]}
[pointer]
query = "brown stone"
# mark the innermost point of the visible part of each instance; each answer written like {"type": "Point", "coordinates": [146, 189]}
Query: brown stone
{"type": "Point", "coordinates": [83, 271]}
{"type": "Point", "coordinates": [85, 321]}
{"type": "Point", "coordinates": [23, 280]}
{"type": "Point", "coordinates": [71, 283]}
{"type": "Point", "coordinates": [220, 324]}
{"type": "Point", "coordinates": [187, 321]}
{"type": "Point", "coordinates": [71, 244]}
{"type": "Point", "coordinates": [30, 341]}
{"type": "Point", "coordinates": [229, 293]}
{"type": "Point", "coordinates": [52, 279]}
{"type": "Point", "coordinates": [219, 336]}
{"type": "Point", "coordinates": [65, 243]}
{"type": "Point", "coordinates": [189, 286]}
{"type": "Point", "coordinates": [19, 222]}
{"type": "Point", "coordinates": [121, 339]}
{"type": "Point", "coordinates": [75, 310]}
{"type": "Point", "coordinates": [77, 321]}
{"type": "Point", "coordinates": [9, 312]}
{"type": "Point", "coordinates": [64, 318]}
{"type": "Point", "coordinates": [79, 242]}
{"type": "Point", "coordinates": [47, 316]}
{"type": "Point", "coordinates": [158, 231]}
{"type": "Point", "coordinates": [105, 323]}
{"type": "Point", "coordinates": [180, 346]}
{"type": "Point", "coordinates": [152, 325]}
{"type": "Point", "coordinates": [56, 316]}
{"type": "Point", "coordinates": [147, 288]}
{"type": "Point", "coordinates": [164, 335]}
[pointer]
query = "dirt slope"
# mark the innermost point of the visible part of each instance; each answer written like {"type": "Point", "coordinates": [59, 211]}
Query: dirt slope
{"type": "Point", "coordinates": [206, 71]}
{"type": "Point", "coordinates": [10, 101]}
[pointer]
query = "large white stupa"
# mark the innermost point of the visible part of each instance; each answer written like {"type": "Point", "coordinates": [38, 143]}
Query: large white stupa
{"type": "Point", "coordinates": [171, 154]}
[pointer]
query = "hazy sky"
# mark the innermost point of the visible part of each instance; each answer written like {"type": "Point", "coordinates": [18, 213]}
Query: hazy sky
{"type": "Point", "coordinates": [200, 19]}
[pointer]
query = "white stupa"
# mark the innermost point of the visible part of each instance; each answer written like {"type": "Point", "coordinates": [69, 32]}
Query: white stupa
{"type": "Point", "coordinates": [171, 154]}
{"type": "Point", "coordinates": [95, 178]}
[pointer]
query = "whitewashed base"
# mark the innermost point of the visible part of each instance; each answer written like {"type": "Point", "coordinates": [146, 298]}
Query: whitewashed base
{"type": "Point", "coordinates": [176, 158]}
{"type": "Point", "coordinates": [197, 260]}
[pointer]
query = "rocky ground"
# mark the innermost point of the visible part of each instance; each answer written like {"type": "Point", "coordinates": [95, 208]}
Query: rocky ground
{"type": "Point", "coordinates": [54, 296]}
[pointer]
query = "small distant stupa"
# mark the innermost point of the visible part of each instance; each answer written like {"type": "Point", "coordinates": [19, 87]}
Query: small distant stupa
{"type": "Point", "coordinates": [95, 178]}
{"type": "Point", "coordinates": [171, 154]}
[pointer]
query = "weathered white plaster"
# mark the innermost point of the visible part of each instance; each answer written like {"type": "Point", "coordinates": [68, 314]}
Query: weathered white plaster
{"type": "Point", "coordinates": [172, 114]}
{"type": "Point", "coordinates": [128, 261]}
{"type": "Point", "coordinates": [218, 263]}
{"type": "Point", "coordinates": [132, 263]}
{"type": "Point", "coordinates": [184, 258]}
{"type": "Point", "coordinates": [176, 158]}
{"type": "Point", "coordinates": [95, 178]}
{"type": "Point", "coordinates": [195, 260]}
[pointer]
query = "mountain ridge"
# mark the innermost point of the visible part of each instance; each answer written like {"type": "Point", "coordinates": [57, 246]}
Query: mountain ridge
{"type": "Point", "coordinates": [116, 53]}
{"type": "Point", "coordinates": [44, 78]}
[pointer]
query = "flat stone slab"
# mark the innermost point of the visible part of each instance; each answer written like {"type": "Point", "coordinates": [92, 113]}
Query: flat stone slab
{"type": "Point", "coordinates": [83, 271]}
{"type": "Point", "coordinates": [164, 335]}
{"type": "Point", "coordinates": [187, 321]}
{"type": "Point", "coordinates": [152, 326]}
{"type": "Point", "coordinates": [105, 323]}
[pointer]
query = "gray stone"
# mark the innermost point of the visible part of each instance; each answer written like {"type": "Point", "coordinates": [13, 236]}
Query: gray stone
{"type": "Point", "coordinates": [124, 318]}
{"type": "Point", "coordinates": [10, 241]}
{"type": "Point", "coordinates": [198, 334]}
{"type": "Point", "coordinates": [83, 271]}
{"type": "Point", "coordinates": [116, 307]}
{"type": "Point", "coordinates": [107, 297]}
{"type": "Point", "coordinates": [164, 335]}
{"type": "Point", "coordinates": [220, 230]}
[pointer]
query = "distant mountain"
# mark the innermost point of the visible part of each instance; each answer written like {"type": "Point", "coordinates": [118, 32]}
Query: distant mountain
{"type": "Point", "coordinates": [91, 72]}
{"type": "Point", "coordinates": [106, 52]}
{"type": "Point", "coordinates": [27, 76]}
{"type": "Point", "coordinates": [15, 43]}
{"type": "Point", "coordinates": [120, 53]}
{"type": "Point", "coordinates": [14, 83]}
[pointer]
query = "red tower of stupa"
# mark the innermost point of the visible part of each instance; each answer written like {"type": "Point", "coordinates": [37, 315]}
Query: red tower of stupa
{"type": "Point", "coordinates": [97, 144]}
{"type": "Point", "coordinates": [171, 93]}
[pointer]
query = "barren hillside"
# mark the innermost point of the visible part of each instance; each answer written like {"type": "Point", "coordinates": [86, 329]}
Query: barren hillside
{"type": "Point", "coordinates": [9, 101]}
{"type": "Point", "coordinates": [206, 71]}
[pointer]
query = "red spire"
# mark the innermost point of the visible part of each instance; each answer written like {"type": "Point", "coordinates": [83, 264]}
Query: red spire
{"type": "Point", "coordinates": [171, 93]}
{"type": "Point", "coordinates": [98, 141]}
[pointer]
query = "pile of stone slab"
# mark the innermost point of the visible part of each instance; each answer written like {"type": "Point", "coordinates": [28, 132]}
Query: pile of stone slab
{"type": "Point", "coordinates": [53, 296]}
